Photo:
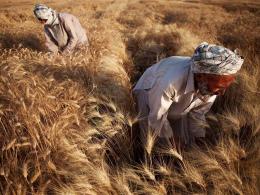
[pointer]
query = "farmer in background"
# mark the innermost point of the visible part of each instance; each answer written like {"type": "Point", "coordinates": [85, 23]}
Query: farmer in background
{"type": "Point", "coordinates": [63, 31]}
{"type": "Point", "coordinates": [174, 95]}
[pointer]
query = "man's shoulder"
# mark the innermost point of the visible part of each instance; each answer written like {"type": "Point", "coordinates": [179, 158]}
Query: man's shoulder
{"type": "Point", "coordinates": [173, 64]}
{"type": "Point", "coordinates": [64, 16]}
{"type": "Point", "coordinates": [176, 70]}
{"type": "Point", "coordinates": [175, 60]}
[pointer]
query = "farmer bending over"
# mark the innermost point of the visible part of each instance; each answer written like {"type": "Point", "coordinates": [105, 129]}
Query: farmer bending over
{"type": "Point", "coordinates": [63, 31]}
{"type": "Point", "coordinates": [174, 95]}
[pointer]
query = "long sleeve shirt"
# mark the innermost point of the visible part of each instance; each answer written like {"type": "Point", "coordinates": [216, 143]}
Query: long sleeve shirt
{"type": "Point", "coordinates": [172, 99]}
{"type": "Point", "coordinates": [65, 34]}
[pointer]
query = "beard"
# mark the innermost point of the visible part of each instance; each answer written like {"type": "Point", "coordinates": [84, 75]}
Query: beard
{"type": "Point", "coordinates": [203, 88]}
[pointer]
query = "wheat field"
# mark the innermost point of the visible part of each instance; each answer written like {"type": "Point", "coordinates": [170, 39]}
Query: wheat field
{"type": "Point", "coordinates": [68, 124]}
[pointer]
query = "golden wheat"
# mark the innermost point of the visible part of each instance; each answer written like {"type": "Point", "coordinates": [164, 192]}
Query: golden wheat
{"type": "Point", "coordinates": [68, 124]}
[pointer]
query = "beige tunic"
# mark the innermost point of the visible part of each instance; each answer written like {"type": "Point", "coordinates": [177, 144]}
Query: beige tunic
{"type": "Point", "coordinates": [171, 100]}
{"type": "Point", "coordinates": [65, 34]}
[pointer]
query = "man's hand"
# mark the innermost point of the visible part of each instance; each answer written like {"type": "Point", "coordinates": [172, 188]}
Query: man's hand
{"type": "Point", "coordinates": [175, 142]}
{"type": "Point", "coordinates": [65, 52]}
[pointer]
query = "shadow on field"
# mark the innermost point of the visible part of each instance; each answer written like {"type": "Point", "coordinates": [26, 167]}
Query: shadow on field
{"type": "Point", "coordinates": [178, 17]}
{"type": "Point", "coordinates": [233, 7]}
{"type": "Point", "coordinates": [31, 41]}
{"type": "Point", "coordinates": [234, 36]}
{"type": "Point", "coordinates": [80, 75]}
{"type": "Point", "coordinates": [145, 51]}
{"type": "Point", "coordinates": [131, 21]}
{"type": "Point", "coordinates": [123, 147]}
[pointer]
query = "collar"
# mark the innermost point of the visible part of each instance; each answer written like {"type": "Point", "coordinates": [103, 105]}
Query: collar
{"type": "Point", "coordinates": [56, 20]}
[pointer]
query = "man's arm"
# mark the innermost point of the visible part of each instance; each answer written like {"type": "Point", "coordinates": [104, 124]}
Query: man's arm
{"type": "Point", "coordinates": [50, 44]}
{"type": "Point", "coordinates": [197, 120]}
{"type": "Point", "coordinates": [72, 35]}
{"type": "Point", "coordinates": [160, 100]}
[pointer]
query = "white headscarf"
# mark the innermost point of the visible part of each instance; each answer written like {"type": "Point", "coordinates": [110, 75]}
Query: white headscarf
{"type": "Point", "coordinates": [42, 11]}
{"type": "Point", "coordinates": [213, 59]}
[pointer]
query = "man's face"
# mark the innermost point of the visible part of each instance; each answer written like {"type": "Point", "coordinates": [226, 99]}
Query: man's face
{"type": "Point", "coordinates": [211, 84]}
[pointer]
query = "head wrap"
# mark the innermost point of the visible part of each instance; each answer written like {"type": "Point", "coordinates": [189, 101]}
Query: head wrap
{"type": "Point", "coordinates": [213, 59]}
{"type": "Point", "coordinates": [42, 11]}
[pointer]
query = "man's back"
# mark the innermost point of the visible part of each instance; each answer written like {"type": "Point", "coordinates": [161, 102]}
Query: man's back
{"type": "Point", "coordinates": [169, 71]}
{"type": "Point", "coordinates": [72, 22]}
